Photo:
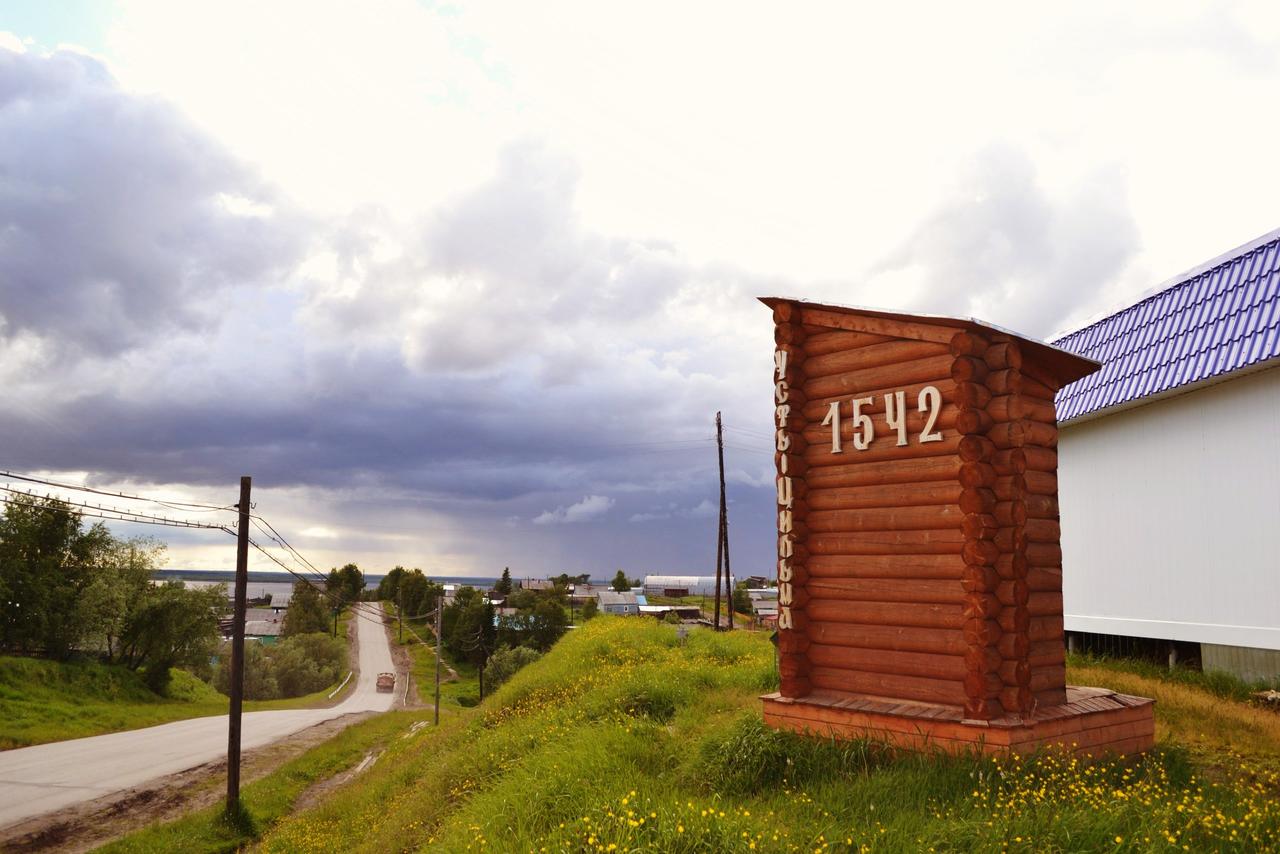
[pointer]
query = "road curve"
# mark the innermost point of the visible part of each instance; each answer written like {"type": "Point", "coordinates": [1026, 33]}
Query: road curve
{"type": "Point", "coordinates": [46, 777]}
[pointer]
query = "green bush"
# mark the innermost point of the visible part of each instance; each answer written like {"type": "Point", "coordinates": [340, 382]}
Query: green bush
{"type": "Point", "coordinates": [296, 666]}
{"type": "Point", "coordinates": [504, 663]}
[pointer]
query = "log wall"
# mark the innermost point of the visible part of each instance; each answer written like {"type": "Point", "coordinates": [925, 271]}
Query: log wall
{"type": "Point", "coordinates": [927, 571]}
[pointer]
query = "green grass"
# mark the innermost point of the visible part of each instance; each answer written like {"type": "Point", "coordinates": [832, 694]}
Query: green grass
{"type": "Point", "coordinates": [43, 701]}
{"type": "Point", "coordinates": [268, 799]}
{"type": "Point", "coordinates": [621, 736]}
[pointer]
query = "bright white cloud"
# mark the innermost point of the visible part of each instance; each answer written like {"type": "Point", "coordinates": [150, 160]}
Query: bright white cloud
{"type": "Point", "coordinates": [588, 508]}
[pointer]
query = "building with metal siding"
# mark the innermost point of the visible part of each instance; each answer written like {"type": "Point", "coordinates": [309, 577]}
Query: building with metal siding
{"type": "Point", "coordinates": [1169, 466]}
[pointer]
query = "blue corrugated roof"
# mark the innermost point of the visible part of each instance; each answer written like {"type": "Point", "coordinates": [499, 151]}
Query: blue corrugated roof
{"type": "Point", "coordinates": [1221, 317]}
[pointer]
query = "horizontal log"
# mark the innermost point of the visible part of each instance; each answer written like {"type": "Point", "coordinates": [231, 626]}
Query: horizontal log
{"type": "Point", "coordinates": [982, 659]}
{"type": "Point", "coordinates": [971, 396]}
{"type": "Point", "coordinates": [967, 369]}
{"type": "Point", "coordinates": [1014, 620]}
{"type": "Point", "coordinates": [886, 495]}
{"type": "Point", "coordinates": [793, 666]}
{"type": "Point", "coordinates": [894, 566]}
{"type": "Point", "coordinates": [1043, 531]}
{"type": "Point", "coordinates": [815, 408]}
{"type": "Point", "coordinates": [790, 464]}
{"type": "Point", "coordinates": [968, 344]}
{"type": "Point", "coordinates": [1013, 407]}
{"type": "Point", "coordinates": [859, 358]}
{"type": "Point", "coordinates": [876, 325]}
{"type": "Point", "coordinates": [1025, 485]}
{"type": "Point", "coordinates": [854, 383]}
{"type": "Point", "coordinates": [1044, 580]}
{"type": "Point", "coordinates": [977, 500]}
{"type": "Point", "coordinates": [877, 473]}
{"type": "Point", "coordinates": [818, 435]}
{"type": "Point", "coordinates": [917, 688]}
{"type": "Point", "coordinates": [947, 541]}
{"type": "Point", "coordinates": [1010, 565]}
{"type": "Point", "coordinates": [1041, 506]}
{"type": "Point", "coordinates": [1016, 434]}
{"type": "Point", "coordinates": [1010, 513]}
{"type": "Point", "coordinates": [895, 662]}
{"type": "Point", "coordinates": [820, 341]}
{"type": "Point", "coordinates": [1024, 459]}
{"type": "Point", "coordinates": [1014, 646]}
{"type": "Point", "coordinates": [977, 684]}
{"type": "Point", "coordinates": [980, 607]}
{"type": "Point", "coordinates": [927, 518]}
{"type": "Point", "coordinates": [979, 526]}
{"type": "Point", "coordinates": [904, 638]}
{"type": "Point", "coordinates": [982, 632]}
{"type": "Point", "coordinates": [793, 643]}
{"type": "Point", "coordinates": [1014, 593]}
{"type": "Point", "coordinates": [1014, 382]}
{"type": "Point", "coordinates": [1009, 462]}
{"type": "Point", "coordinates": [979, 552]}
{"type": "Point", "coordinates": [1045, 628]}
{"type": "Point", "coordinates": [789, 335]}
{"type": "Point", "coordinates": [1044, 554]}
{"type": "Point", "coordinates": [1048, 678]}
{"type": "Point", "coordinates": [912, 591]}
{"type": "Point", "coordinates": [1036, 370]}
{"type": "Point", "coordinates": [976, 475]}
{"type": "Point", "coordinates": [975, 449]}
{"type": "Point", "coordinates": [1047, 654]}
{"type": "Point", "coordinates": [979, 579]}
{"type": "Point", "coordinates": [974, 421]}
{"type": "Point", "coordinates": [1016, 672]}
{"type": "Point", "coordinates": [1011, 540]}
{"type": "Point", "coordinates": [1043, 604]}
{"type": "Point", "coordinates": [883, 448]}
{"type": "Point", "coordinates": [1017, 700]}
{"type": "Point", "coordinates": [1004, 355]}
{"type": "Point", "coordinates": [885, 613]}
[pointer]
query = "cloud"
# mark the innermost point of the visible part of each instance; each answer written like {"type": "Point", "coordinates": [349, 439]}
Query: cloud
{"type": "Point", "coordinates": [119, 220]}
{"type": "Point", "coordinates": [588, 508]}
{"type": "Point", "coordinates": [1003, 249]}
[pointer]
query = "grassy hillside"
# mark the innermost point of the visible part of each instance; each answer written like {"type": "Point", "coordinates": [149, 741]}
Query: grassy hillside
{"type": "Point", "coordinates": [42, 701]}
{"type": "Point", "coordinates": [622, 738]}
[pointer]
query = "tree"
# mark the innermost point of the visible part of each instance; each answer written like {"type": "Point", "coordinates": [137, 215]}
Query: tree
{"type": "Point", "coordinates": [172, 627]}
{"type": "Point", "coordinates": [418, 594]}
{"type": "Point", "coordinates": [503, 587]}
{"type": "Point", "coordinates": [741, 598]}
{"type": "Point", "coordinates": [506, 661]}
{"type": "Point", "coordinates": [590, 608]}
{"type": "Point", "coordinates": [308, 611]}
{"type": "Point", "coordinates": [389, 586]}
{"type": "Point", "coordinates": [547, 623]}
{"type": "Point", "coordinates": [621, 583]}
{"type": "Point", "coordinates": [351, 583]}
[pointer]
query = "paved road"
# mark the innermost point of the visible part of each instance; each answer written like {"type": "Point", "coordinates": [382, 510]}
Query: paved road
{"type": "Point", "coordinates": [40, 779]}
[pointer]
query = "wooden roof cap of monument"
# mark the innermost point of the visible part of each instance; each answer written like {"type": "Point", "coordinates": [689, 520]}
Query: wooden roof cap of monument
{"type": "Point", "coordinates": [1064, 365]}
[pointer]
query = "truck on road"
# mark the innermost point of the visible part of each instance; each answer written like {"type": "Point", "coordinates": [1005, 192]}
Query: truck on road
{"type": "Point", "coordinates": [386, 681]}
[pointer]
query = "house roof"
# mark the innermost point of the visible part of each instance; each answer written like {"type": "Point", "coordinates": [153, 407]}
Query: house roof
{"type": "Point", "coordinates": [1064, 364]}
{"type": "Point", "coordinates": [609, 597]}
{"type": "Point", "coordinates": [1219, 318]}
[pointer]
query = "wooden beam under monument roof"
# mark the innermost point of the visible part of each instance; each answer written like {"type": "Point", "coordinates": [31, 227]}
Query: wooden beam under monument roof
{"type": "Point", "coordinates": [1063, 364]}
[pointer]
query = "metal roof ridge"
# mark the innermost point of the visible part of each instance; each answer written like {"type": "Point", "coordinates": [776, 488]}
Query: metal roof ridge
{"type": "Point", "coordinates": [1172, 282]}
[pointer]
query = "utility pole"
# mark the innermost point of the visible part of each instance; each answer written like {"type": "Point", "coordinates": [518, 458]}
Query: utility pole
{"type": "Point", "coordinates": [724, 527]}
{"type": "Point", "coordinates": [237, 650]}
{"type": "Point", "coordinates": [720, 525]}
{"type": "Point", "coordinates": [400, 611]}
{"type": "Point", "coordinates": [439, 611]}
{"type": "Point", "coordinates": [336, 611]}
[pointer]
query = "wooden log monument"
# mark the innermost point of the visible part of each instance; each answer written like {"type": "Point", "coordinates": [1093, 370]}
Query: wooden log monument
{"type": "Point", "coordinates": [919, 566]}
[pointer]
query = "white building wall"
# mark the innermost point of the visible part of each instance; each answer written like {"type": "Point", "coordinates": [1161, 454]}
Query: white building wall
{"type": "Point", "coordinates": [1171, 517]}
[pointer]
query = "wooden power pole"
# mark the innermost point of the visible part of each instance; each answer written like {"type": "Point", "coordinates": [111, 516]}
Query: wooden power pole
{"type": "Point", "coordinates": [237, 650]}
{"type": "Point", "coordinates": [400, 611]}
{"type": "Point", "coordinates": [720, 524]}
{"type": "Point", "coordinates": [439, 611]}
{"type": "Point", "coordinates": [724, 525]}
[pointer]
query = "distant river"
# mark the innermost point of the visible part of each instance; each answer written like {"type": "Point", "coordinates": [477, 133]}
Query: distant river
{"type": "Point", "coordinates": [281, 590]}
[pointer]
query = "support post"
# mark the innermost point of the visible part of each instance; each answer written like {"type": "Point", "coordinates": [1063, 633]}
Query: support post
{"type": "Point", "coordinates": [439, 612]}
{"type": "Point", "coordinates": [719, 529]}
{"type": "Point", "coordinates": [237, 650]}
{"type": "Point", "coordinates": [724, 522]}
{"type": "Point", "coordinates": [400, 611]}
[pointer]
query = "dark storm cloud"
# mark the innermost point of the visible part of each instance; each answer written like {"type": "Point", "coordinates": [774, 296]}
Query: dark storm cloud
{"type": "Point", "coordinates": [1004, 249]}
{"type": "Point", "coordinates": [113, 220]}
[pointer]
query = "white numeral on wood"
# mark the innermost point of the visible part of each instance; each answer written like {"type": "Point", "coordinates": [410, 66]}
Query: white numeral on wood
{"type": "Point", "coordinates": [833, 418]}
{"type": "Point", "coordinates": [895, 414]}
{"type": "Point", "coordinates": [864, 432]}
{"type": "Point", "coordinates": [930, 399]}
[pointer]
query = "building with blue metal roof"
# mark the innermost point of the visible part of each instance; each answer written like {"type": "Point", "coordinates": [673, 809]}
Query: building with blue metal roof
{"type": "Point", "coordinates": [1169, 466]}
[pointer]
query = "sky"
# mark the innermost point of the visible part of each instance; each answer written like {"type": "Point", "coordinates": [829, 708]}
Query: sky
{"type": "Point", "coordinates": [463, 286]}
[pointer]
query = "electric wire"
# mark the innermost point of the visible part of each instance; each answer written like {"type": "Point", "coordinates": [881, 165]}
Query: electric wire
{"type": "Point", "coordinates": [97, 511]}
{"type": "Point", "coordinates": [173, 504]}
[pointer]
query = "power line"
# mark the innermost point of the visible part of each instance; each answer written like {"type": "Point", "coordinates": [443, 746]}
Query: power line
{"type": "Point", "coordinates": [76, 487]}
{"type": "Point", "coordinates": [100, 512]}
